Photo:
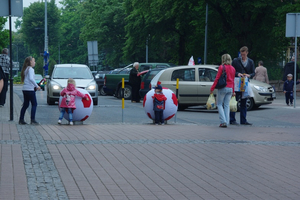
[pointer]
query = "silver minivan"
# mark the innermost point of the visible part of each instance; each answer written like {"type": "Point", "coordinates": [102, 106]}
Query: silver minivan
{"type": "Point", "coordinates": [195, 82]}
{"type": "Point", "coordinates": [62, 72]}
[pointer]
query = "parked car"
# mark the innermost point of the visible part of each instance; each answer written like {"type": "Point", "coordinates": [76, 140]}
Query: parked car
{"type": "Point", "coordinates": [145, 84]}
{"type": "Point", "coordinates": [195, 83]}
{"type": "Point", "coordinates": [38, 78]}
{"type": "Point", "coordinates": [99, 77]}
{"type": "Point", "coordinates": [113, 81]}
{"type": "Point", "coordinates": [58, 80]}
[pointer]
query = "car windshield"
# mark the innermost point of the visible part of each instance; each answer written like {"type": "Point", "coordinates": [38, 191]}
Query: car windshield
{"type": "Point", "coordinates": [38, 77]}
{"type": "Point", "coordinates": [72, 72]}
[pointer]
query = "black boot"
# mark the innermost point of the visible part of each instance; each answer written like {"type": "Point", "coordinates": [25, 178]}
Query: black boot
{"type": "Point", "coordinates": [22, 122]}
{"type": "Point", "coordinates": [33, 122]}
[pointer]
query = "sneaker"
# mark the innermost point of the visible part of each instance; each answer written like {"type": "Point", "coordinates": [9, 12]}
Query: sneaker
{"type": "Point", "coordinates": [1, 106]}
{"type": "Point", "coordinates": [156, 124]}
{"type": "Point", "coordinates": [162, 123]}
{"type": "Point", "coordinates": [223, 125]}
{"type": "Point", "coordinates": [234, 123]}
{"type": "Point", "coordinates": [33, 122]}
{"type": "Point", "coordinates": [71, 123]}
{"type": "Point", "coordinates": [288, 104]}
{"type": "Point", "coordinates": [59, 121]}
{"type": "Point", "coordinates": [22, 122]}
{"type": "Point", "coordinates": [291, 104]}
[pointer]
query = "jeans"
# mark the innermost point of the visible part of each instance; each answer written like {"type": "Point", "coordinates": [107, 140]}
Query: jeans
{"type": "Point", "coordinates": [62, 113]}
{"type": "Point", "coordinates": [4, 90]}
{"type": "Point", "coordinates": [289, 97]}
{"type": "Point", "coordinates": [29, 96]}
{"type": "Point", "coordinates": [159, 117]}
{"type": "Point", "coordinates": [223, 99]}
{"type": "Point", "coordinates": [243, 109]}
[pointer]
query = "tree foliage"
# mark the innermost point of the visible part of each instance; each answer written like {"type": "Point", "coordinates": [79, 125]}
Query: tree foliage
{"type": "Point", "coordinates": [4, 34]}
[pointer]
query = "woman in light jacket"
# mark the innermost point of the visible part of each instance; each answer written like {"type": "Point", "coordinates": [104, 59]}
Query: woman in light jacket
{"type": "Point", "coordinates": [224, 95]}
{"type": "Point", "coordinates": [29, 88]}
{"type": "Point", "coordinates": [261, 73]}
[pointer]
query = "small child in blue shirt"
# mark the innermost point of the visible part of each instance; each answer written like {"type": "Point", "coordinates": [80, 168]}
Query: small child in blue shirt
{"type": "Point", "coordinates": [288, 89]}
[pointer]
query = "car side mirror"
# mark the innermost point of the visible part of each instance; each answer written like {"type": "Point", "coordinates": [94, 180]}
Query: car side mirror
{"type": "Point", "coordinates": [47, 77]}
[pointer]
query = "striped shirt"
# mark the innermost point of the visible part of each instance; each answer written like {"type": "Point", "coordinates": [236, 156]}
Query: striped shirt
{"type": "Point", "coordinates": [5, 62]}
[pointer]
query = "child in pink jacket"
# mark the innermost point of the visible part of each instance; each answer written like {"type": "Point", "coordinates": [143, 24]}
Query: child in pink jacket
{"type": "Point", "coordinates": [68, 101]}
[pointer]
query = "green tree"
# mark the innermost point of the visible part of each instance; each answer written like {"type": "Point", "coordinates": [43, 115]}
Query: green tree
{"type": "Point", "coordinates": [104, 22]}
{"type": "Point", "coordinates": [4, 34]}
{"type": "Point", "coordinates": [32, 26]}
{"type": "Point", "coordinates": [72, 49]}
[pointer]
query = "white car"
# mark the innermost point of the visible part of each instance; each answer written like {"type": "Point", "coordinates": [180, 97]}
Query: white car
{"type": "Point", "coordinates": [195, 83]}
{"type": "Point", "coordinates": [60, 75]}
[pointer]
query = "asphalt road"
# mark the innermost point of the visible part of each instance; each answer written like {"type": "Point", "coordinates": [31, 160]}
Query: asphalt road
{"type": "Point", "coordinates": [109, 110]}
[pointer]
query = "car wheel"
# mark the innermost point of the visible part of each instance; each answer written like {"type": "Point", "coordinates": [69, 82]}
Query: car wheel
{"type": "Point", "coordinates": [182, 107]}
{"type": "Point", "coordinates": [102, 93]}
{"type": "Point", "coordinates": [50, 101]}
{"type": "Point", "coordinates": [127, 92]}
{"type": "Point", "coordinates": [249, 104]}
{"type": "Point", "coordinates": [95, 101]}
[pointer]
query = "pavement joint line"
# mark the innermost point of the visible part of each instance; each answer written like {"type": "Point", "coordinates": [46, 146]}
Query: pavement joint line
{"type": "Point", "coordinates": [43, 178]}
{"type": "Point", "coordinates": [173, 141]}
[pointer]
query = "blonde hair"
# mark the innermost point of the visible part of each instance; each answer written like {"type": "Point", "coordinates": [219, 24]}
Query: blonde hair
{"type": "Point", "coordinates": [226, 59]}
{"type": "Point", "coordinates": [72, 81]}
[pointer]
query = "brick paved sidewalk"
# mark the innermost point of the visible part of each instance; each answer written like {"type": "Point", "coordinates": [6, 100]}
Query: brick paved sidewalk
{"type": "Point", "coordinates": [132, 161]}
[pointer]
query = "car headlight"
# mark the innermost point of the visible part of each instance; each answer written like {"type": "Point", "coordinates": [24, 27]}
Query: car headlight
{"type": "Point", "coordinates": [56, 87]}
{"type": "Point", "coordinates": [260, 88]}
{"type": "Point", "coordinates": [91, 87]}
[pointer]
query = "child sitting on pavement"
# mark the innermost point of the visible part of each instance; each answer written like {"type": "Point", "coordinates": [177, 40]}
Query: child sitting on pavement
{"type": "Point", "coordinates": [288, 89]}
{"type": "Point", "coordinates": [159, 100]}
{"type": "Point", "coordinates": [68, 101]}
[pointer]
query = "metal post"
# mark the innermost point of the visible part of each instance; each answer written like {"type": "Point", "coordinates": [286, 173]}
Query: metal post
{"type": "Point", "coordinates": [122, 94]}
{"type": "Point", "coordinates": [10, 70]}
{"type": "Point", "coordinates": [205, 42]}
{"type": "Point", "coordinates": [295, 63]}
{"type": "Point", "coordinates": [46, 36]}
{"type": "Point", "coordinates": [177, 86]}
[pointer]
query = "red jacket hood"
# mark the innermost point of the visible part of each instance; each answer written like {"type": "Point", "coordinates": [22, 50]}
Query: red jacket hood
{"type": "Point", "coordinates": [160, 97]}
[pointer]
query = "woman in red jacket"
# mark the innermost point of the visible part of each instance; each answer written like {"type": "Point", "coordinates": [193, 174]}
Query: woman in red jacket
{"type": "Point", "coordinates": [224, 95]}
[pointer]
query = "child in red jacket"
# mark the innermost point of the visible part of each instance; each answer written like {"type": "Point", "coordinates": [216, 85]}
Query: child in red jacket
{"type": "Point", "coordinates": [68, 101]}
{"type": "Point", "coordinates": [159, 100]}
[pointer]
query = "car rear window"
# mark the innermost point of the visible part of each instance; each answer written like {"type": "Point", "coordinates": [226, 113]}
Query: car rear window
{"type": "Point", "coordinates": [184, 74]}
{"type": "Point", "coordinates": [152, 74]}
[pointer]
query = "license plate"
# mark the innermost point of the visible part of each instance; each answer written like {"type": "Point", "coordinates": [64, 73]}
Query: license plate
{"type": "Point", "coordinates": [273, 95]}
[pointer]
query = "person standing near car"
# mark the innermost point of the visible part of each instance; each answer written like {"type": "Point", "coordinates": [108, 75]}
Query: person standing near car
{"type": "Point", "coordinates": [261, 73]}
{"type": "Point", "coordinates": [244, 67]}
{"type": "Point", "coordinates": [4, 63]}
{"type": "Point", "coordinates": [289, 69]}
{"type": "Point", "coordinates": [224, 95]}
{"type": "Point", "coordinates": [135, 82]}
{"type": "Point", "coordinates": [29, 88]}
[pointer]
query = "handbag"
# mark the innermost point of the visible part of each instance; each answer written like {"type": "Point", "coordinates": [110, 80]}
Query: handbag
{"type": "Point", "coordinates": [222, 80]}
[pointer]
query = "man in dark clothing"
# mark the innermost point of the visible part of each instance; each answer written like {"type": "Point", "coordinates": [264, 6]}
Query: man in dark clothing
{"type": "Point", "coordinates": [4, 63]}
{"type": "Point", "coordinates": [244, 67]}
{"type": "Point", "coordinates": [289, 68]}
{"type": "Point", "coordinates": [135, 82]}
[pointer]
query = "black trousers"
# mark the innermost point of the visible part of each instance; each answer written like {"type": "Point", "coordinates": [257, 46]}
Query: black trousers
{"type": "Point", "coordinates": [289, 97]}
{"type": "Point", "coordinates": [135, 96]}
{"type": "Point", "coordinates": [4, 90]}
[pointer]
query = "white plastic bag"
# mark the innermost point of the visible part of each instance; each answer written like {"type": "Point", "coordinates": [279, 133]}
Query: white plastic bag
{"type": "Point", "coordinates": [233, 104]}
{"type": "Point", "coordinates": [211, 102]}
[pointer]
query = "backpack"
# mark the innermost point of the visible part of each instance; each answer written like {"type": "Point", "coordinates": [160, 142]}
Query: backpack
{"type": "Point", "coordinates": [158, 105]}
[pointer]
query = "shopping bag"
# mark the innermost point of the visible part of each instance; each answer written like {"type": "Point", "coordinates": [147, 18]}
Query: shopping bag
{"type": "Point", "coordinates": [240, 84]}
{"type": "Point", "coordinates": [233, 104]}
{"type": "Point", "coordinates": [211, 102]}
{"type": "Point", "coordinates": [248, 91]}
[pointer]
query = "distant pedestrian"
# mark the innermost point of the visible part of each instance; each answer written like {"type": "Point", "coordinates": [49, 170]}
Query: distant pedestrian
{"type": "Point", "coordinates": [289, 68]}
{"type": "Point", "coordinates": [4, 63]}
{"type": "Point", "coordinates": [68, 101]}
{"type": "Point", "coordinates": [288, 89]}
{"type": "Point", "coordinates": [224, 95]}
{"type": "Point", "coordinates": [135, 82]}
{"type": "Point", "coordinates": [261, 73]}
{"type": "Point", "coordinates": [159, 101]}
{"type": "Point", "coordinates": [29, 88]}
